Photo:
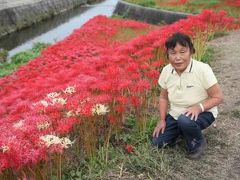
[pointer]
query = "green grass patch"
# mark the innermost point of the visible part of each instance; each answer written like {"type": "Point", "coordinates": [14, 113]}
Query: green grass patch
{"type": "Point", "coordinates": [192, 6]}
{"type": "Point", "coordinates": [218, 34]}
{"type": "Point", "coordinates": [21, 58]}
{"type": "Point", "coordinates": [208, 55]}
{"type": "Point", "coordinates": [125, 34]}
{"type": "Point", "coordinates": [145, 3]}
{"type": "Point", "coordinates": [204, 2]}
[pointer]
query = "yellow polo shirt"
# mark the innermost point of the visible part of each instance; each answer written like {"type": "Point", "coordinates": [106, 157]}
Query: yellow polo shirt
{"type": "Point", "coordinates": [189, 88]}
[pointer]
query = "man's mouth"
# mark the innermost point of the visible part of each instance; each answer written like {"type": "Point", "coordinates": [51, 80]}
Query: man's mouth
{"type": "Point", "coordinates": [178, 64]}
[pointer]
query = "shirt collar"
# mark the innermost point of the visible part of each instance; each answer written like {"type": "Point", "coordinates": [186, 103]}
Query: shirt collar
{"type": "Point", "coordinates": [187, 70]}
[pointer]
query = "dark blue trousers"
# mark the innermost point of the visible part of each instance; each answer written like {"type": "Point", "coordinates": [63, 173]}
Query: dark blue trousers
{"type": "Point", "coordinates": [191, 130]}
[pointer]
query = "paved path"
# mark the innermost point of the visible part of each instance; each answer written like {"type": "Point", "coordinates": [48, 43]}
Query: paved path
{"type": "Point", "coordinates": [4, 4]}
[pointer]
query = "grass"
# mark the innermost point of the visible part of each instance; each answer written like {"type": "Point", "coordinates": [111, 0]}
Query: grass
{"type": "Point", "coordinates": [21, 59]}
{"type": "Point", "coordinates": [145, 162]}
{"type": "Point", "coordinates": [145, 3]}
{"type": "Point", "coordinates": [127, 33]}
{"type": "Point", "coordinates": [192, 6]}
{"type": "Point", "coordinates": [208, 56]}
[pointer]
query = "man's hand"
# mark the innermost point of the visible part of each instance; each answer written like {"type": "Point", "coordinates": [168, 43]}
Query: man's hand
{"type": "Point", "coordinates": [193, 111]}
{"type": "Point", "coordinates": [159, 128]}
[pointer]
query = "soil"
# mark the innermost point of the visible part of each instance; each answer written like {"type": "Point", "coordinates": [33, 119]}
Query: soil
{"type": "Point", "coordinates": [226, 66]}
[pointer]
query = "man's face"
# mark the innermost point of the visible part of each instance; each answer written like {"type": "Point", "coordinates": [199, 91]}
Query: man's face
{"type": "Point", "coordinates": [179, 57]}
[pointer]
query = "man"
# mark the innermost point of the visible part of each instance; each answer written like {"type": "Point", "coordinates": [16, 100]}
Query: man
{"type": "Point", "coordinates": [191, 89]}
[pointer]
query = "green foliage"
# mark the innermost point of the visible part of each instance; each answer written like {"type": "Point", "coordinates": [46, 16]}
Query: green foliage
{"type": "Point", "coordinates": [21, 58]}
{"type": "Point", "coordinates": [208, 56]}
{"type": "Point", "coordinates": [145, 3]}
{"type": "Point", "coordinates": [204, 2]}
{"type": "Point", "coordinates": [192, 6]}
{"type": "Point", "coordinates": [6, 69]}
{"type": "Point", "coordinates": [217, 35]}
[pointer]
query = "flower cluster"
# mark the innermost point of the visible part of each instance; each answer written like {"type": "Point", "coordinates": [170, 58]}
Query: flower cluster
{"type": "Point", "coordinates": [100, 109]}
{"type": "Point", "coordinates": [51, 140]}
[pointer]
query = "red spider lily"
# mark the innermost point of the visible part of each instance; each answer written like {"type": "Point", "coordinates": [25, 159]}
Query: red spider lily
{"type": "Point", "coordinates": [112, 119]}
{"type": "Point", "coordinates": [66, 124]}
{"type": "Point", "coordinates": [129, 148]}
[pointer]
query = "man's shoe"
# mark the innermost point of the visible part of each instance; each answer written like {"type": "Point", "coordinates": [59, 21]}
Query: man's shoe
{"type": "Point", "coordinates": [196, 155]}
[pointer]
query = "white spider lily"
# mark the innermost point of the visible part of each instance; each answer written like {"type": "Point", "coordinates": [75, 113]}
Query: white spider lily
{"type": "Point", "coordinates": [43, 125]}
{"type": "Point", "coordinates": [70, 90]}
{"type": "Point", "coordinates": [66, 142]}
{"type": "Point", "coordinates": [100, 109]}
{"type": "Point", "coordinates": [53, 95]}
{"type": "Point", "coordinates": [51, 140]}
{"type": "Point", "coordinates": [44, 103]}
{"type": "Point", "coordinates": [55, 140]}
{"type": "Point", "coordinates": [18, 124]}
{"type": "Point", "coordinates": [5, 148]}
{"type": "Point", "coordinates": [70, 113]}
{"type": "Point", "coordinates": [59, 101]}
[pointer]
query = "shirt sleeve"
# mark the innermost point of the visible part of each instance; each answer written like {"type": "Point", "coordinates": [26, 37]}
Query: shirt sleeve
{"type": "Point", "coordinates": [209, 78]}
{"type": "Point", "coordinates": [162, 79]}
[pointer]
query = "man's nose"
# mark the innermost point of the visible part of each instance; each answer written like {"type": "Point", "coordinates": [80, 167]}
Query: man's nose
{"type": "Point", "coordinates": [178, 56]}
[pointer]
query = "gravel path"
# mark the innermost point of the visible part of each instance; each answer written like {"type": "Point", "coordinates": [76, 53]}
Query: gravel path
{"type": "Point", "coordinates": [226, 66]}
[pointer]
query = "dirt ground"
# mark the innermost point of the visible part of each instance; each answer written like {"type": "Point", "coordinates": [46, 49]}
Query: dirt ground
{"type": "Point", "coordinates": [226, 65]}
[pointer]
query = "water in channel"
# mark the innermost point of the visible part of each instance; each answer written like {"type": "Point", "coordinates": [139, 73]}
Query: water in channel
{"type": "Point", "coordinates": [56, 28]}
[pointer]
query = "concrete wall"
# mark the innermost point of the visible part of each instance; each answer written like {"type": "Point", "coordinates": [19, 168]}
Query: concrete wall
{"type": "Point", "coordinates": [18, 17]}
{"type": "Point", "coordinates": [149, 15]}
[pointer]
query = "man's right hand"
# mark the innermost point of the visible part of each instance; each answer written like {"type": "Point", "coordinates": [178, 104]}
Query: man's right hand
{"type": "Point", "coordinates": [159, 128]}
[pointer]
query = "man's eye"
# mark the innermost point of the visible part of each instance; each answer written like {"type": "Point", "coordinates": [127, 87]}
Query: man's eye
{"type": "Point", "coordinates": [172, 52]}
{"type": "Point", "coordinates": [182, 52]}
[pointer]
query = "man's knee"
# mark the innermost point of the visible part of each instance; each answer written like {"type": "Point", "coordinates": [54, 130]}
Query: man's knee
{"type": "Point", "coordinates": [184, 121]}
{"type": "Point", "coordinates": [159, 142]}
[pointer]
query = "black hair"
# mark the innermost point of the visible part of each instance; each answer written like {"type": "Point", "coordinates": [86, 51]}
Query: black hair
{"type": "Point", "coordinates": [179, 38]}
